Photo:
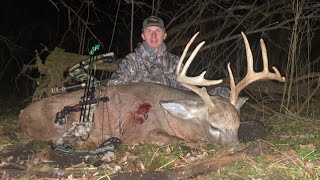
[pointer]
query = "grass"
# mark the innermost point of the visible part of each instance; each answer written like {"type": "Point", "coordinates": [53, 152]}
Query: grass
{"type": "Point", "coordinates": [293, 132]}
{"type": "Point", "coordinates": [149, 157]}
{"type": "Point", "coordinates": [295, 155]}
{"type": "Point", "coordinates": [9, 129]}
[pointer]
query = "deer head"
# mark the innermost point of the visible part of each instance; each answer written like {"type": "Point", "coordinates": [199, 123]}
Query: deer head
{"type": "Point", "coordinates": [217, 118]}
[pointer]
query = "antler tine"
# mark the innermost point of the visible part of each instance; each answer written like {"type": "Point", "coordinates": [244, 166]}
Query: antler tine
{"type": "Point", "coordinates": [185, 53]}
{"type": "Point", "coordinates": [181, 72]}
{"type": "Point", "coordinates": [251, 75]}
{"type": "Point", "coordinates": [192, 82]}
{"type": "Point", "coordinates": [248, 54]}
{"type": "Point", "coordinates": [274, 76]}
{"type": "Point", "coordinates": [264, 56]}
{"type": "Point", "coordinates": [233, 96]}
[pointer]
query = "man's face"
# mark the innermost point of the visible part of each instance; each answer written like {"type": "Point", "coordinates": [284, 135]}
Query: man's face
{"type": "Point", "coordinates": [154, 36]}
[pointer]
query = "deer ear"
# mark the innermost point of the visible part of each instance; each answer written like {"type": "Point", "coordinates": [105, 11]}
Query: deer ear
{"type": "Point", "coordinates": [240, 102]}
{"type": "Point", "coordinates": [185, 109]}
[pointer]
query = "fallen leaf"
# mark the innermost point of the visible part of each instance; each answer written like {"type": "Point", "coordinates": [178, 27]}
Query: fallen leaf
{"type": "Point", "coordinates": [142, 167]}
{"type": "Point", "coordinates": [309, 165]}
{"type": "Point", "coordinates": [168, 150]}
{"type": "Point", "coordinates": [5, 175]}
{"type": "Point", "coordinates": [123, 159]}
{"type": "Point", "coordinates": [311, 147]}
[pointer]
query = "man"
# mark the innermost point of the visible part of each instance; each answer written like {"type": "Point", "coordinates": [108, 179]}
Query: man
{"type": "Point", "coordinates": [150, 61]}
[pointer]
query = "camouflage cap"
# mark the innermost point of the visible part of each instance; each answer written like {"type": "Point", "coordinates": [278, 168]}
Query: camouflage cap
{"type": "Point", "coordinates": [153, 21]}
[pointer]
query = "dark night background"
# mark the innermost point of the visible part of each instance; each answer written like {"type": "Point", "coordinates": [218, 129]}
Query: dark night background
{"type": "Point", "coordinates": [28, 26]}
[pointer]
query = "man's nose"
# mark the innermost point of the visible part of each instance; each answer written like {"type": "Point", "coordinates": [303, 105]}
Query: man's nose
{"type": "Point", "coordinates": [153, 34]}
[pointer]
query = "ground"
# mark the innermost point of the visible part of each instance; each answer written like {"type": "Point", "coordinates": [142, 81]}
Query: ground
{"type": "Point", "coordinates": [290, 150]}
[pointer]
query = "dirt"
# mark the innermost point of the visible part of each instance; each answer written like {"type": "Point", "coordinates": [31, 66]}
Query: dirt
{"type": "Point", "coordinates": [18, 162]}
{"type": "Point", "coordinates": [21, 162]}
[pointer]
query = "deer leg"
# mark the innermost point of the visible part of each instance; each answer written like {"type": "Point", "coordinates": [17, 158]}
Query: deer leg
{"type": "Point", "coordinates": [161, 137]}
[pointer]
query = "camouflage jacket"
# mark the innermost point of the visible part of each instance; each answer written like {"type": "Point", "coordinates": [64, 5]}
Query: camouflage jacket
{"type": "Point", "coordinates": [145, 65]}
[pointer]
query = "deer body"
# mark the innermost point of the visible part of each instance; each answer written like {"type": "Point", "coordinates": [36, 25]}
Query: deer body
{"type": "Point", "coordinates": [135, 113]}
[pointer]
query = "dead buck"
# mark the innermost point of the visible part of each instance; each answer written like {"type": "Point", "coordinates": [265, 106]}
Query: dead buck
{"type": "Point", "coordinates": [148, 112]}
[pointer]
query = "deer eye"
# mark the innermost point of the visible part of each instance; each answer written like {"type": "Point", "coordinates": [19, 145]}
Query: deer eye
{"type": "Point", "coordinates": [214, 128]}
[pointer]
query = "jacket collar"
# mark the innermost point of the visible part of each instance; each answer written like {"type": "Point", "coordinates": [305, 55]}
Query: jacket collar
{"type": "Point", "coordinates": [152, 51]}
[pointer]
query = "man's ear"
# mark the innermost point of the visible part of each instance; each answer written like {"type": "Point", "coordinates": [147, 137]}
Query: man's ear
{"type": "Point", "coordinates": [142, 36]}
{"type": "Point", "coordinates": [165, 36]}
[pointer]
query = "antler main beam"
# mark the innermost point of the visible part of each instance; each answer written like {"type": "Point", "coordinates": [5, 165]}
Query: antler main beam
{"type": "Point", "coordinates": [251, 75]}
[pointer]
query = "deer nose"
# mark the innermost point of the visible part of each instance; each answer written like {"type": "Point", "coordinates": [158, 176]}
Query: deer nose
{"type": "Point", "coordinates": [230, 139]}
{"type": "Point", "coordinates": [234, 143]}
{"type": "Point", "coordinates": [231, 143]}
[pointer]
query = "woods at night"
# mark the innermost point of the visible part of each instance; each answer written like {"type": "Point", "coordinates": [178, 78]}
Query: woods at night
{"type": "Point", "coordinates": [42, 43]}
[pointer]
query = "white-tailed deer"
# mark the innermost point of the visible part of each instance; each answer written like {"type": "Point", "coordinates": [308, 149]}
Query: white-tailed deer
{"type": "Point", "coordinates": [148, 112]}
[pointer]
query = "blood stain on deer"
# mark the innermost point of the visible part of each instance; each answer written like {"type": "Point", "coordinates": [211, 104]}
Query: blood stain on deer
{"type": "Point", "coordinates": [141, 114]}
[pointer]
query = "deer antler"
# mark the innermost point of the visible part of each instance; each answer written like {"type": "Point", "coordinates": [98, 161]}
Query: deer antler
{"type": "Point", "coordinates": [192, 82]}
{"type": "Point", "coordinates": [251, 75]}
